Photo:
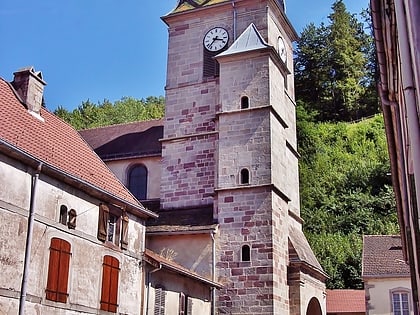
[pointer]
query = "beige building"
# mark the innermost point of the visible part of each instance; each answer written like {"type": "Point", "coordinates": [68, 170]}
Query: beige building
{"type": "Point", "coordinates": [386, 276]}
{"type": "Point", "coordinates": [221, 168]}
{"type": "Point", "coordinates": [397, 37]}
{"type": "Point", "coordinates": [71, 236]}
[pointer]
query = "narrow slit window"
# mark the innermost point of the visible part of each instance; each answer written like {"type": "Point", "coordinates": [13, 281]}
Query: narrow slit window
{"type": "Point", "coordinates": [63, 215]}
{"type": "Point", "coordinates": [244, 102]}
{"type": "Point", "coordinates": [246, 253]}
{"type": "Point", "coordinates": [244, 176]}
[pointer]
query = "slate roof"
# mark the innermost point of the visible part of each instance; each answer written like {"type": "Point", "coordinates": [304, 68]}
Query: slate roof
{"type": "Point", "coordinates": [182, 221]}
{"type": "Point", "coordinates": [249, 40]}
{"type": "Point", "coordinates": [302, 249]}
{"type": "Point", "coordinates": [174, 267]}
{"type": "Point", "coordinates": [60, 148]}
{"type": "Point", "coordinates": [346, 301]}
{"type": "Point", "coordinates": [126, 140]}
{"type": "Point", "coordinates": [383, 257]}
{"type": "Point", "coordinates": [185, 5]}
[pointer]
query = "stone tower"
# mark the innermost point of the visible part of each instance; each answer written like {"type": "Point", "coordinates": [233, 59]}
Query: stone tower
{"type": "Point", "coordinates": [230, 145]}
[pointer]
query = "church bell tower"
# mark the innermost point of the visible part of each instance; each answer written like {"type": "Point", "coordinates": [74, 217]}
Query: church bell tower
{"type": "Point", "coordinates": [230, 145]}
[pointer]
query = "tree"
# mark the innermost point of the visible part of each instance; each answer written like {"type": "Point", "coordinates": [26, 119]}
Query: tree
{"type": "Point", "coordinates": [330, 68]}
{"type": "Point", "coordinates": [345, 191]}
{"type": "Point", "coordinates": [127, 109]}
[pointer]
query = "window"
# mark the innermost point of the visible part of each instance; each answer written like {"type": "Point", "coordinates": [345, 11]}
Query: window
{"type": "Point", "coordinates": [210, 65]}
{"type": "Point", "coordinates": [109, 293]}
{"type": "Point", "coordinates": [246, 253]}
{"type": "Point", "coordinates": [137, 181]}
{"type": "Point", "coordinates": [400, 303]}
{"type": "Point", "coordinates": [182, 304]}
{"type": "Point", "coordinates": [72, 219]}
{"type": "Point", "coordinates": [63, 215]}
{"type": "Point", "coordinates": [159, 308]}
{"type": "Point", "coordinates": [58, 270]}
{"type": "Point", "coordinates": [244, 176]}
{"type": "Point", "coordinates": [244, 102]}
{"type": "Point", "coordinates": [113, 226]}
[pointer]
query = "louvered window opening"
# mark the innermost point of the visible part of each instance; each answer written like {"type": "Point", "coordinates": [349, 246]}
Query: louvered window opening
{"type": "Point", "coordinates": [159, 308]}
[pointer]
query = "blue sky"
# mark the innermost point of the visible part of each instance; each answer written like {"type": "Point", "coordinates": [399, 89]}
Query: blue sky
{"type": "Point", "coordinates": [104, 49]}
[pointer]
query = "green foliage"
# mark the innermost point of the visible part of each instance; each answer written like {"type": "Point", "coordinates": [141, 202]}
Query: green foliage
{"type": "Point", "coordinates": [334, 68]}
{"type": "Point", "coordinates": [90, 115]}
{"type": "Point", "coordinates": [346, 191]}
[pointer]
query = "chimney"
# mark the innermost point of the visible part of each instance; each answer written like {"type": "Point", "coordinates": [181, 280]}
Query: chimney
{"type": "Point", "coordinates": [29, 85]}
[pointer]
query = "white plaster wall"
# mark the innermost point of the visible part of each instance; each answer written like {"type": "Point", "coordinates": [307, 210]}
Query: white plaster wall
{"type": "Point", "coordinates": [378, 292]}
{"type": "Point", "coordinates": [85, 275]}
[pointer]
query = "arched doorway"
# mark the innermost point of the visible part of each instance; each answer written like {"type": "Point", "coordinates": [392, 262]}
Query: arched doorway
{"type": "Point", "coordinates": [314, 308]}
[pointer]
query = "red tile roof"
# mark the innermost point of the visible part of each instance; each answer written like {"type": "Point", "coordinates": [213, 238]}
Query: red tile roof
{"type": "Point", "coordinates": [346, 301]}
{"type": "Point", "coordinates": [383, 257]}
{"type": "Point", "coordinates": [153, 258]}
{"type": "Point", "coordinates": [60, 148]}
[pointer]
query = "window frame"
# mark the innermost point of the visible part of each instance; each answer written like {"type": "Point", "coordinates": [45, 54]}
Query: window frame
{"type": "Point", "coordinates": [400, 292]}
{"type": "Point", "coordinates": [57, 286]}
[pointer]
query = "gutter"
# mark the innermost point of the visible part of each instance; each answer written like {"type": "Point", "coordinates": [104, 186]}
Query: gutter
{"type": "Point", "coordinates": [28, 246]}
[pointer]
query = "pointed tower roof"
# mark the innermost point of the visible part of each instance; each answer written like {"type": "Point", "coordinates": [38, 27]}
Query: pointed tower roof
{"type": "Point", "coordinates": [249, 40]}
{"type": "Point", "coordinates": [185, 5]}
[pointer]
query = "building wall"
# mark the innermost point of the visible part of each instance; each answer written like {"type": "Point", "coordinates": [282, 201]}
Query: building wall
{"type": "Point", "coordinates": [153, 164]}
{"type": "Point", "coordinates": [87, 252]}
{"type": "Point", "coordinates": [192, 251]}
{"type": "Point", "coordinates": [197, 295]}
{"type": "Point", "coordinates": [378, 294]}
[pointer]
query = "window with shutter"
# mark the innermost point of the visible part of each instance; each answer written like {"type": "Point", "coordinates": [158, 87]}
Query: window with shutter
{"type": "Point", "coordinates": [58, 270]}
{"type": "Point", "coordinates": [113, 226]}
{"type": "Point", "coordinates": [110, 274]}
{"type": "Point", "coordinates": [159, 302]}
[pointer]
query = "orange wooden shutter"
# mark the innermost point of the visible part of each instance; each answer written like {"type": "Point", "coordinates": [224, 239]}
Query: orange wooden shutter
{"type": "Point", "coordinates": [58, 270]}
{"type": "Point", "coordinates": [109, 294]}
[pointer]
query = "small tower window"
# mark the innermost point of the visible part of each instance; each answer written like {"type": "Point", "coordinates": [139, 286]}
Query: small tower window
{"type": "Point", "coordinates": [63, 215]}
{"type": "Point", "coordinates": [246, 253]}
{"type": "Point", "coordinates": [244, 176]}
{"type": "Point", "coordinates": [244, 102]}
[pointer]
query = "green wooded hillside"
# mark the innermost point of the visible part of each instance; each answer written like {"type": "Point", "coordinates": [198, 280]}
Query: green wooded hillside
{"type": "Point", "coordinates": [346, 192]}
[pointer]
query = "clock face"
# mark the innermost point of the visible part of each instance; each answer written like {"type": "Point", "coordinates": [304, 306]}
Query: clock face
{"type": "Point", "coordinates": [216, 39]}
{"type": "Point", "coordinates": [282, 50]}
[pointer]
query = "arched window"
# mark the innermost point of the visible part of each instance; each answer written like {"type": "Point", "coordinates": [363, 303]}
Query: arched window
{"type": "Point", "coordinates": [244, 176]}
{"type": "Point", "coordinates": [246, 253]}
{"type": "Point", "coordinates": [137, 181]}
{"type": "Point", "coordinates": [244, 102]}
{"type": "Point", "coordinates": [63, 214]}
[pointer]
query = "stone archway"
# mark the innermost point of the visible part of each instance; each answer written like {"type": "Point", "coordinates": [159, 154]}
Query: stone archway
{"type": "Point", "coordinates": [314, 308]}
